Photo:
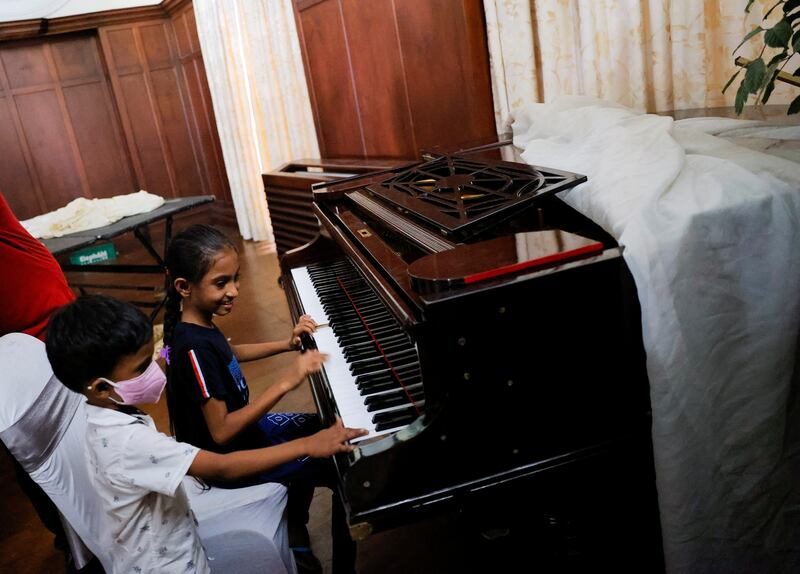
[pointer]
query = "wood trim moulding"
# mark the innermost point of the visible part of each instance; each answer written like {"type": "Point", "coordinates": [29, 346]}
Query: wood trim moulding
{"type": "Point", "coordinates": [303, 4]}
{"type": "Point", "coordinates": [172, 6]}
{"type": "Point", "coordinates": [38, 27]}
{"type": "Point", "coordinates": [20, 29]}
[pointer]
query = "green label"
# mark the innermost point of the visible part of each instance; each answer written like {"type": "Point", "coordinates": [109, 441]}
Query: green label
{"type": "Point", "coordinates": [94, 254]}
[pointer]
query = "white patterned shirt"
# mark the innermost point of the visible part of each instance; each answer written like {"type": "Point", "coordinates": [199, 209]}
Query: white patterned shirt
{"type": "Point", "coordinates": [137, 472]}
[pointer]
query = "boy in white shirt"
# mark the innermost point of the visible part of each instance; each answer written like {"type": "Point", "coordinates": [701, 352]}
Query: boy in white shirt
{"type": "Point", "coordinates": [103, 348]}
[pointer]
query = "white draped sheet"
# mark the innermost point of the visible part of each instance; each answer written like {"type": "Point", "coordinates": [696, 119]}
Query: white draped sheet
{"type": "Point", "coordinates": [710, 233]}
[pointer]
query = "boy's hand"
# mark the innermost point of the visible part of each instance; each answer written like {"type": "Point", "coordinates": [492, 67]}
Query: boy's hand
{"type": "Point", "coordinates": [306, 364]}
{"type": "Point", "coordinates": [305, 324]}
{"type": "Point", "coordinates": [332, 440]}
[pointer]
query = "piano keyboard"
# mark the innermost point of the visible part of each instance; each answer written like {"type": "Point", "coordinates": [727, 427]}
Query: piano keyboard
{"type": "Point", "coordinates": [365, 389]}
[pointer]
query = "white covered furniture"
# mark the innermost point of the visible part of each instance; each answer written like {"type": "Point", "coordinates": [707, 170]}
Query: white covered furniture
{"type": "Point", "coordinates": [710, 231]}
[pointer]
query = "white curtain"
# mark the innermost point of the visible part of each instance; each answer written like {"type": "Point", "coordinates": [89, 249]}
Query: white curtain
{"type": "Point", "coordinates": [261, 103]}
{"type": "Point", "coordinates": [650, 55]}
{"type": "Point", "coordinates": [510, 38]}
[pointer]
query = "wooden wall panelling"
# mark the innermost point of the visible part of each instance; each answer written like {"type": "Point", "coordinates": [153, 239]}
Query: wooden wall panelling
{"type": "Point", "coordinates": [378, 75]}
{"type": "Point", "coordinates": [93, 117]}
{"type": "Point", "coordinates": [140, 125]}
{"type": "Point", "coordinates": [330, 79]}
{"type": "Point", "coordinates": [66, 131]}
{"type": "Point", "coordinates": [18, 181]}
{"type": "Point", "coordinates": [390, 78]}
{"type": "Point", "coordinates": [57, 98]}
{"type": "Point", "coordinates": [172, 104]}
{"type": "Point", "coordinates": [143, 64]}
{"type": "Point", "coordinates": [203, 123]}
{"type": "Point", "coordinates": [447, 71]}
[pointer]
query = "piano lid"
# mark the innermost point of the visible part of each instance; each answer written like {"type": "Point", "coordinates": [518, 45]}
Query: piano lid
{"type": "Point", "coordinates": [472, 263]}
{"type": "Point", "coordinates": [461, 196]}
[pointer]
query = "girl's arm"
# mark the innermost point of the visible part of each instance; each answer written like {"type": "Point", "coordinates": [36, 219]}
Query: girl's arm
{"type": "Point", "coordinates": [254, 351]}
{"type": "Point", "coordinates": [224, 426]}
{"type": "Point", "coordinates": [235, 465]}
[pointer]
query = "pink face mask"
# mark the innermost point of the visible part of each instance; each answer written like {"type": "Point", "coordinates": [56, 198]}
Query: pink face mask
{"type": "Point", "coordinates": [143, 390]}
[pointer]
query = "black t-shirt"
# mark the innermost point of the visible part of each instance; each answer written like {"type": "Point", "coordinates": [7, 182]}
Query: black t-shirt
{"type": "Point", "coordinates": [202, 365]}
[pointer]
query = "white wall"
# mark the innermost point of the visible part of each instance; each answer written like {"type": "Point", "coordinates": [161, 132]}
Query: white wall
{"type": "Point", "coordinates": [24, 9]}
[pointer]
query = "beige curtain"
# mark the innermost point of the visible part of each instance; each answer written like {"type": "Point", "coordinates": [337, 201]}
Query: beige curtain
{"type": "Point", "coordinates": [258, 87]}
{"type": "Point", "coordinates": [653, 55]}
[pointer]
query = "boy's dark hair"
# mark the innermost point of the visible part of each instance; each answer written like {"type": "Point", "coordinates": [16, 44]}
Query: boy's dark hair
{"type": "Point", "coordinates": [189, 255]}
{"type": "Point", "coordinates": [87, 338]}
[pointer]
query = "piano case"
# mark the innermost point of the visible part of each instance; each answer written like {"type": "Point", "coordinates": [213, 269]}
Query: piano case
{"type": "Point", "coordinates": [503, 330]}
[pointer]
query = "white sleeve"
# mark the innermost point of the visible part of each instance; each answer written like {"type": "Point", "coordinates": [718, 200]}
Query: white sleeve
{"type": "Point", "coordinates": [155, 462]}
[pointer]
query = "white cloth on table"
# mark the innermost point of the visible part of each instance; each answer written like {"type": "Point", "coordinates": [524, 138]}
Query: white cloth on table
{"type": "Point", "coordinates": [711, 232]}
{"type": "Point", "coordinates": [84, 214]}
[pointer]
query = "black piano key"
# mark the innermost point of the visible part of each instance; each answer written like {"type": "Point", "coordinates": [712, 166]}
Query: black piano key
{"type": "Point", "coordinates": [383, 375]}
{"type": "Point", "coordinates": [393, 399]}
{"type": "Point", "coordinates": [378, 363]}
{"type": "Point", "coordinates": [369, 388]}
{"type": "Point", "coordinates": [372, 350]}
{"type": "Point", "coordinates": [394, 419]}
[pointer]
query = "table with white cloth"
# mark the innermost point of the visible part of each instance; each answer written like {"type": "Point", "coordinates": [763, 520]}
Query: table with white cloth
{"type": "Point", "coordinates": [708, 214]}
{"type": "Point", "coordinates": [139, 226]}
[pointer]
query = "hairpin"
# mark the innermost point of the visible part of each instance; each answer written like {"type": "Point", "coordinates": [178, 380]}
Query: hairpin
{"type": "Point", "coordinates": [164, 353]}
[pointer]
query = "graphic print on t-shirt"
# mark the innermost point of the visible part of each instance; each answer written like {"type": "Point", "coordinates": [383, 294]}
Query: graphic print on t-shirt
{"type": "Point", "coordinates": [236, 373]}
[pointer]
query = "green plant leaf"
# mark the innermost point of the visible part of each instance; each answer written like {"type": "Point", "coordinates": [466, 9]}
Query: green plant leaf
{"type": "Point", "coordinates": [749, 35]}
{"type": "Point", "coordinates": [778, 36]}
{"type": "Point", "coordinates": [770, 86]}
{"type": "Point", "coordinates": [755, 76]}
{"type": "Point", "coordinates": [741, 98]}
{"type": "Point", "coordinates": [729, 82]}
{"type": "Point", "coordinates": [796, 43]}
{"type": "Point", "coordinates": [794, 107]}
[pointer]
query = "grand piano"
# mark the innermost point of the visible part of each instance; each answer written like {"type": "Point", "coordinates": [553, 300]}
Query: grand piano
{"type": "Point", "coordinates": [487, 335]}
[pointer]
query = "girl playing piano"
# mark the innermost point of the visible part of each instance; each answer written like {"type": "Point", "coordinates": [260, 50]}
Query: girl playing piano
{"type": "Point", "coordinates": [208, 398]}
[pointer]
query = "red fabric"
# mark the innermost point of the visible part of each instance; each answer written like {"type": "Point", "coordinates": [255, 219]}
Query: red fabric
{"type": "Point", "coordinates": [32, 284]}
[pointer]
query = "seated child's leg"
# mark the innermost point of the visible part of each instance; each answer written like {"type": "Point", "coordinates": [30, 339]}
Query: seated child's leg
{"type": "Point", "coordinates": [303, 476]}
{"type": "Point", "coordinates": [279, 428]}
